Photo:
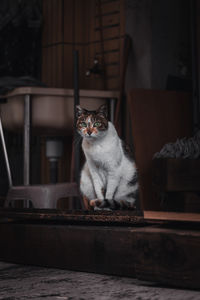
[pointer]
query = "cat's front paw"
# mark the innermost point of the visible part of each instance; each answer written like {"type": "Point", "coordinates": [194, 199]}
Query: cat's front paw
{"type": "Point", "coordinates": [95, 202]}
{"type": "Point", "coordinates": [99, 204]}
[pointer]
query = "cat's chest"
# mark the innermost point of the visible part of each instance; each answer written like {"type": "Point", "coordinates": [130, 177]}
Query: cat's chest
{"type": "Point", "coordinates": [97, 152]}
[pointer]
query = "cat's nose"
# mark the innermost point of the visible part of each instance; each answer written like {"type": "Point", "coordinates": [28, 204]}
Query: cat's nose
{"type": "Point", "coordinates": [89, 132]}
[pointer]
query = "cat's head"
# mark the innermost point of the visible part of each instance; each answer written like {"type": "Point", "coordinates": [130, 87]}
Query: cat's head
{"type": "Point", "coordinates": [92, 124]}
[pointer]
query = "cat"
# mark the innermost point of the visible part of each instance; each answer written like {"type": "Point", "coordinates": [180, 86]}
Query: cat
{"type": "Point", "coordinates": [109, 177]}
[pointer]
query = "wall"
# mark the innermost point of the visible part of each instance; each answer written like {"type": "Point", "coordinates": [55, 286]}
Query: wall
{"type": "Point", "coordinates": [96, 29]}
{"type": "Point", "coordinates": [138, 27]}
{"type": "Point", "coordinates": [160, 32]}
{"type": "Point", "coordinates": [171, 48]}
{"type": "Point", "coordinates": [70, 25]}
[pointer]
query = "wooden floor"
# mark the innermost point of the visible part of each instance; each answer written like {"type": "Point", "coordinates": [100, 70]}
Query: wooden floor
{"type": "Point", "coordinates": [166, 252]}
{"type": "Point", "coordinates": [19, 282]}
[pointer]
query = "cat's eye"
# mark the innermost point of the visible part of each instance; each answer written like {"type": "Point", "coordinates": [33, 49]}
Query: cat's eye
{"type": "Point", "coordinates": [83, 124]}
{"type": "Point", "coordinates": [97, 124]}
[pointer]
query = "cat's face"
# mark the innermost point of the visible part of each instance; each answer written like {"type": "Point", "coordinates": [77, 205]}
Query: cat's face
{"type": "Point", "coordinates": [92, 124]}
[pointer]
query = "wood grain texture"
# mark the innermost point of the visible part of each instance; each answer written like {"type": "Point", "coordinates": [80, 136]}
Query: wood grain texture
{"type": "Point", "coordinates": [80, 22]}
{"type": "Point", "coordinates": [61, 92]}
{"type": "Point", "coordinates": [52, 66]}
{"type": "Point", "coordinates": [109, 20]}
{"type": "Point", "coordinates": [68, 23]}
{"type": "Point", "coordinates": [166, 256]}
{"type": "Point", "coordinates": [108, 33]}
{"type": "Point", "coordinates": [76, 25]}
{"type": "Point", "coordinates": [52, 22]}
{"type": "Point", "coordinates": [158, 117]}
{"type": "Point", "coordinates": [109, 46]}
{"type": "Point", "coordinates": [110, 7]}
{"type": "Point", "coordinates": [171, 216]}
{"type": "Point", "coordinates": [68, 66]}
{"type": "Point", "coordinates": [87, 217]}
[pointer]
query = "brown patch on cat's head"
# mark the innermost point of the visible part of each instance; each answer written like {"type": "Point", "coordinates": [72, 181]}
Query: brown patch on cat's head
{"type": "Point", "coordinates": [91, 123]}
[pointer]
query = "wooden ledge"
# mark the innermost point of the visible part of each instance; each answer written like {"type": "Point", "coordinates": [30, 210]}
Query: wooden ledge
{"type": "Point", "coordinates": [90, 217]}
{"type": "Point", "coordinates": [163, 255]}
{"type": "Point", "coordinates": [125, 218]}
{"type": "Point", "coordinates": [171, 216]}
{"type": "Point", "coordinates": [44, 91]}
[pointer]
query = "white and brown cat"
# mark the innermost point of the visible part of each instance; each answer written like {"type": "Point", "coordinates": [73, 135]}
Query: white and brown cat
{"type": "Point", "coordinates": [109, 177]}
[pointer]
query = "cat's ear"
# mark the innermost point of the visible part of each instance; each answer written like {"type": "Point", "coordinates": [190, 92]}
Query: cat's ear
{"type": "Point", "coordinates": [103, 110]}
{"type": "Point", "coordinates": [79, 111]}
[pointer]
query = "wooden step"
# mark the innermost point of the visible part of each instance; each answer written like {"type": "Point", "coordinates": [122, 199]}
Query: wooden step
{"type": "Point", "coordinates": [164, 253]}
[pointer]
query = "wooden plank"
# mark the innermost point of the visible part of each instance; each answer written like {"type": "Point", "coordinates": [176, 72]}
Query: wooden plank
{"type": "Point", "coordinates": [166, 116]}
{"type": "Point", "coordinates": [80, 30]}
{"type": "Point", "coordinates": [57, 21]}
{"type": "Point", "coordinates": [53, 58]}
{"type": "Point", "coordinates": [171, 216]}
{"type": "Point", "coordinates": [122, 8]}
{"type": "Point", "coordinates": [112, 70]}
{"type": "Point", "coordinates": [109, 20]}
{"type": "Point", "coordinates": [69, 12]}
{"type": "Point", "coordinates": [46, 73]}
{"type": "Point", "coordinates": [111, 57]}
{"type": "Point", "coordinates": [95, 82]}
{"type": "Point", "coordinates": [108, 33]}
{"type": "Point", "coordinates": [124, 218]}
{"type": "Point", "coordinates": [109, 46]}
{"type": "Point", "coordinates": [61, 92]}
{"type": "Point", "coordinates": [52, 22]}
{"type": "Point", "coordinates": [109, 7]}
{"type": "Point", "coordinates": [91, 17]}
{"type": "Point", "coordinates": [57, 66]}
{"type": "Point", "coordinates": [166, 256]}
{"type": "Point", "coordinates": [113, 83]}
{"type": "Point", "coordinates": [76, 248]}
{"type": "Point", "coordinates": [68, 66]}
{"type": "Point", "coordinates": [115, 217]}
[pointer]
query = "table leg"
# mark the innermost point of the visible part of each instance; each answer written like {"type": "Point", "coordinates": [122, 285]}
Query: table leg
{"type": "Point", "coordinates": [5, 155]}
{"type": "Point", "coordinates": [27, 121]}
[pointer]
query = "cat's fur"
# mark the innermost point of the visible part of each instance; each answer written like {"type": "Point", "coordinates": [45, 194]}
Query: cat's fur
{"type": "Point", "coordinates": [109, 176]}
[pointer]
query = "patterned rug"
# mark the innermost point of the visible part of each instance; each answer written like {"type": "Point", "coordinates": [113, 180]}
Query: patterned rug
{"type": "Point", "coordinates": [29, 282]}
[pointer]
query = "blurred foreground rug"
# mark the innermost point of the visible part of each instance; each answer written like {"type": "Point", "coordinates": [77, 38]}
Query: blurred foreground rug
{"type": "Point", "coordinates": [29, 282]}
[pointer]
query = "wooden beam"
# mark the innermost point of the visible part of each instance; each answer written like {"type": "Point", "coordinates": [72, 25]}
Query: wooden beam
{"type": "Point", "coordinates": [125, 218]}
{"type": "Point", "coordinates": [50, 216]}
{"type": "Point", "coordinates": [171, 216]}
{"type": "Point", "coordinates": [166, 256]}
{"type": "Point", "coordinates": [60, 92]}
